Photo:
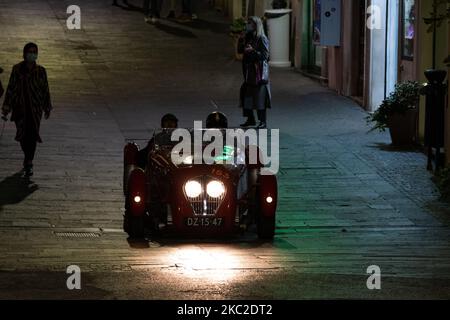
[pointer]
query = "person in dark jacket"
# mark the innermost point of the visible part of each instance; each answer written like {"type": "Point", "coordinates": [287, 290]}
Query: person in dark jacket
{"type": "Point", "coordinates": [28, 98]}
{"type": "Point", "coordinates": [169, 122]}
{"type": "Point", "coordinates": [1, 87]}
{"type": "Point", "coordinates": [255, 92]}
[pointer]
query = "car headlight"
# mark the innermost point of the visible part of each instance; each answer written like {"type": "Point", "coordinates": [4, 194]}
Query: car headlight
{"type": "Point", "coordinates": [193, 189]}
{"type": "Point", "coordinates": [215, 189]}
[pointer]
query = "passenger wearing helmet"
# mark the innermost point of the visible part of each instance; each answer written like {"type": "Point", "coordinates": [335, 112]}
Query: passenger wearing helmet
{"type": "Point", "coordinates": [168, 121]}
{"type": "Point", "coordinates": [216, 120]}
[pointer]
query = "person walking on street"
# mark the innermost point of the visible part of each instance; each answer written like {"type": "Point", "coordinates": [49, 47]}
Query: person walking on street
{"type": "Point", "coordinates": [173, 4]}
{"type": "Point", "coordinates": [153, 13]}
{"type": "Point", "coordinates": [188, 14]}
{"type": "Point", "coordinates": [255, 92]}
{"type": "Point", "coordinates": [1, 87]}
{"type": "Point", "coordinates": [28, 98]}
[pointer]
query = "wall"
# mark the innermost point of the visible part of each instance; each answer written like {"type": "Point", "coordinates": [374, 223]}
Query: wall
{"type": "Point", "coordinates": [377, 61]}
{"type": "Point", "coordinates": [261, 6]}
{"type": "Point", "coordinates": [426, 56]}
{"type": "Point", "coordinates": [382, 54]}
{"type": "Point", "coordinates": [296, 30]}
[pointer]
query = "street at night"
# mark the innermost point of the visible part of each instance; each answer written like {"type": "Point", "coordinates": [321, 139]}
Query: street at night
{"type": "Point", "coordinates": [348, 199]}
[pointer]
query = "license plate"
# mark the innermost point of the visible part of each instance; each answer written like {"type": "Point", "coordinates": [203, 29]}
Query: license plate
{"type": "Point", "coordinates": [204, 222]}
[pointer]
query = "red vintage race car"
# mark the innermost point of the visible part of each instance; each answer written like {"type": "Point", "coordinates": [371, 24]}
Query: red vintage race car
{"type": "Point", "coordinates": [195, 198]}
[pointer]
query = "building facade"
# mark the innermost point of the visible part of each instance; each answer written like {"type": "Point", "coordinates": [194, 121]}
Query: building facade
{"type": "Point", "coordinates": [382, 43]}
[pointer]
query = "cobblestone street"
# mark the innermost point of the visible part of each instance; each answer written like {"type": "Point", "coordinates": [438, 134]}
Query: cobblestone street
{"type": "Point", "coordinates": [348, 200]}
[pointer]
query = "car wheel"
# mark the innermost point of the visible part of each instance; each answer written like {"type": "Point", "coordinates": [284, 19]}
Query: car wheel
{"type": "Point", "coordinates": [253, 208]}
{"type": "Point", "coordinates": [136, 227]}
{"type": "Point", "coordinates": [265, 227]}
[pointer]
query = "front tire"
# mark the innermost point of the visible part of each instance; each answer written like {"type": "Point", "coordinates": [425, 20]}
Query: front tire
{"type": "Point", "coordinates": [265, 227]}
{"type": "Point", "coordinates": [136, 227]}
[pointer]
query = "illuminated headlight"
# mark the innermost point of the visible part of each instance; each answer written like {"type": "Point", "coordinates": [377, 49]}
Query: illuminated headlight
{"type": "Point", "coordinates": [193, 189]}
{"type": "Point", "coordinates": [215, 189]}
{"type": "Point", "coordinates": [269, 199]}
{"type": "Point", "coordinates": [137, 199]}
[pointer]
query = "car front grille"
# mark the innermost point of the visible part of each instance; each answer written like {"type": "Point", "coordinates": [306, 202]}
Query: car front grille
{"type": "Point", "coordinates": [204, 205]}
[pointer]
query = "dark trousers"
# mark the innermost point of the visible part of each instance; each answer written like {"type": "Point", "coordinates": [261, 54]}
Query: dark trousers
{"type": "Point", "coordinates": [155, 9]}
{"type": "Point", "coordinates": [187, 6]}
{"type": "Point", "coordinates": [28, 146]}
{"type": "Point", "coordinates": [262, 115]}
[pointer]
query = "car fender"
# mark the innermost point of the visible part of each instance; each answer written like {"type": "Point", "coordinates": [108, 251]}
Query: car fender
{"type": "Point", "coordinates": [137, 190]}
{"type": "Point", "coordinates": [130, 161]}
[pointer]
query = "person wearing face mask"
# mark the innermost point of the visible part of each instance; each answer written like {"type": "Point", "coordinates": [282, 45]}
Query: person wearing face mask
{"type": "Point", "coordinates": [1, 87]}
{"type": "Point", "coordinates": [255, 92]}
{"type": "Point", "coordinates": [28, 98]}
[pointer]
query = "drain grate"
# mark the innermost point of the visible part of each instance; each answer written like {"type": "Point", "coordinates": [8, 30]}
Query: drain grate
{"type": "Point", "coordinates": [77, 234]}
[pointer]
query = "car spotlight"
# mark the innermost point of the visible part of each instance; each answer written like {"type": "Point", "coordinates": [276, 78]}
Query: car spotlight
{"type": "Point", "coordinates": [269, 199]}
{"type": "Point", "coordinates": [193, 189]}
{"type": "Point", "coordinates": [137, 199]}
{"type": "Point", "coordinates": [215, 189]}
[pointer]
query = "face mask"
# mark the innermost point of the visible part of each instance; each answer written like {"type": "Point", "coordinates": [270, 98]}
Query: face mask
{"type": "Point", "coordinates": [31, 57]}
{"type": "Point", "coordinates": [250, 28]}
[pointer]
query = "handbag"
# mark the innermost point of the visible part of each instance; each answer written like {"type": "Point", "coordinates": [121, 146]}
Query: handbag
{"type": "Point", "coordinates": [262, 72]}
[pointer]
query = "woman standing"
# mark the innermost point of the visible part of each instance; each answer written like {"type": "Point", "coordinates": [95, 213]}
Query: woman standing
{"type": "Point", "coordinates": [255, 92]}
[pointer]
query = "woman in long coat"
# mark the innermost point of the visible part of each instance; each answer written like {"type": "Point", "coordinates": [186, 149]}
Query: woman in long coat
{"type": "Point", "coordinates": [28, 98]}
{"type": "Point", "coordinates": [1, 87]}
{"type": "Point", "coordinates": [255, 92]}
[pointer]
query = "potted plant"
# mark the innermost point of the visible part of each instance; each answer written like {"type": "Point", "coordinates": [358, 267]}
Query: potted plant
{"type": "Point", "coordinates": [398, 113]}
{"type": "Point", "coordinates": [236, 29]}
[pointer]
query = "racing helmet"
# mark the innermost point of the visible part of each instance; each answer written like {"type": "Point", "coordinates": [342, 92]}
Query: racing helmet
{"type": "Point", "coordinates": [217, 120]}
{"type": "Point", "coordinates": [168, 118]}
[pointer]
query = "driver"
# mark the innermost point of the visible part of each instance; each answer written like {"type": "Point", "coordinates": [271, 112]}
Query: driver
{"type": "Point", "coordinates": [216, 120]}
{"type": "Point", "coordinates": [168, 121]}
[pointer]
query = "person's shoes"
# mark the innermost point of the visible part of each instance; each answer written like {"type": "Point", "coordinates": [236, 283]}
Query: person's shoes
{"type": "Point", "coordinates": [261, 125]}
{"type": "Point", "coordinates": [184, 18]}
{"type": "Point", "coordinates": [171, 15]}
{"type": "Point", "coordinates": [28, 171]}
{"type": "Point", "coordinates": [151, 19]}
{"type": "Point", "coordinates": [194, 17]}
{"type": "Point", "coordinates": [248, 123]}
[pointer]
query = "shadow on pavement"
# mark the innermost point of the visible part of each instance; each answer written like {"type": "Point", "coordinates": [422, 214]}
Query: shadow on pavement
{"type": "Point", "coordinates": [14, 189]}
{"type": "Point", "coordinates": [128, 7]}
{"type": "Point", "coordinates": [247, 241]}
{"type": "Point", "coordinates": [178, 32]}
{"type": "Point", "coordinates": [215, 27]}
{"type": "Point", "coordinates": [392, 148]}
{"type": "Point", "coordinates": [138, 243]}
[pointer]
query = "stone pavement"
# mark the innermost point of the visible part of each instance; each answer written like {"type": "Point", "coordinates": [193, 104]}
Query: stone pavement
{"type": "Point", "coordinates": [347, 199]}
